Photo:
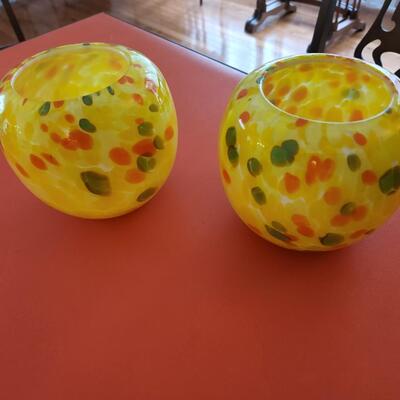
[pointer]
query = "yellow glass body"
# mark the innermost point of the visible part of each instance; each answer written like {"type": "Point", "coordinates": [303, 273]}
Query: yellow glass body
{"type": "Point", "coordinates": [90, 128]}
{"type": "Point", "coordinates": [309, 150]}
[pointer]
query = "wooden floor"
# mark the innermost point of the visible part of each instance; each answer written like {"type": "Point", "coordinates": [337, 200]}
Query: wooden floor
{"type": "Point", "coordinates": [215, 29]}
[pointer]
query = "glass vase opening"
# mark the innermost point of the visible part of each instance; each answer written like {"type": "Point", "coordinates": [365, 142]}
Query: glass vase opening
{"type": "Point", "coordinates": [328, 89]}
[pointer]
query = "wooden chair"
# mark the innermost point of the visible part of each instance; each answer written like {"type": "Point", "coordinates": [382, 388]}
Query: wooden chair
{"type": "Point", "coordinates": [389, 40]}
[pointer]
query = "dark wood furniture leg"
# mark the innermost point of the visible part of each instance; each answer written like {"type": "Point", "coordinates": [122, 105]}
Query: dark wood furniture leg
{"type": "Point", "coordinates": [265, 9]}
{"type": "Point", "coordinates": [326, 26]}
{"type": "Point", "coordinates": [323, 28]}
{"type": "Point", "coordinates": [13, 20]}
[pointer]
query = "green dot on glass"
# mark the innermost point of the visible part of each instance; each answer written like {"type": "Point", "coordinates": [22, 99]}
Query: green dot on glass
{"type": "Point", "coordinates": [278, 156]}
{"type": "Point", "coordinates": [230, 136]}
{"type": "Point", "coordinates": [353, 162]}
{"type": "Point", "coordinates": [348, 209]}
{"type": "Point", "coordinates": [331, 239]}
{"type": "Point", "coordinates": [258, 195]}
{"type": "Point", "coordinates": [96, 183]}
{"type": "Point", "coordinates": [87, 100]}
{"type": "Point", "coordinates": [254, 166]}
{"type": "Point", "coordinates": [153, 108]}
{"type": "Point", "coordinates": [146, 194]}
{"type": "Point", "coordinates": [44, 109]}
{"type": "Point", "coordinates": [86, 125]}
{"type": "Point", "coordinates": [145, 164]}
{"type": "Point", "coordinates": [146, 129]}
{"type": "Point", "coordinates": [278, 226]}
{"type": "Point", "coordinates": [233, 155]}
{"type": "Point", "coordinates": [158, 143]}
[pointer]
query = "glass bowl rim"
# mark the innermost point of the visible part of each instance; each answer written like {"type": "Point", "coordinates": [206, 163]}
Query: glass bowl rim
{"type": "Point", "coordinates": [377, 69]}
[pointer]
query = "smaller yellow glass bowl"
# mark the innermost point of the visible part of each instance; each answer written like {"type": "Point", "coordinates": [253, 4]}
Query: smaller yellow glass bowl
{"type": "Point", "coordinates": [309, 150]}
{"type": "Point", "coordinates": [90, 128]}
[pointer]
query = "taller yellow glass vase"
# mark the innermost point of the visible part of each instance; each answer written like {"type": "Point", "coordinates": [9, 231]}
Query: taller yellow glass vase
{"type": "Point", "coordinates": [89, 128]}
{"type": "Point", "coordinates": [310, 150]}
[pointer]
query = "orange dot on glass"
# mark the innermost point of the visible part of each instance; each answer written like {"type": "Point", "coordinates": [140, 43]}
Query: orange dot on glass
{"type": "Point", "coordinates": [292, 183]}
{"type": "Point", "coordinates": [144, 147]}
{"type": "Point", "coordinates": [51, 73]}
{"type": "Point", "coordinates": [359, 213]}
{"type": "Point", "coordinates": [351, 76]}
{"type": "Point", "coordinates": [58, 104]}
{"type": "Point", "coordinates": [298, 220]}
{"type": "Point", "coordinates": [268, 88]}
{"type": "Point", "coordinates": [356, 115]}
{"type": "Point", "coordinates": [340, 220]}
{"type": "Point", "coordinates": [122, 80]}
{"type": "Point", "coordinates": [277, 101]}
{"type": "Point", "coordinates": [120, 156]}
{"type": "Point", "coordinates": [332, 196]}
{"type": "Point", "coordinates": [244, 117]}
{"type": "Point", "coordinates": [139, 121]}
{"type": "Point", "coordinates": [369, 177]}
{"type": "Point", "coordinates": [115, 64]}
{"type": "Point", "coordinates": [305, 67]}
{"type": "Point", "coordinates": [169, 133]}
{"type": "Point", "coordinates": [49, 158]}
{"type": "Point", "coordinates": [55, 137]}
{"type": "Point", "coordinates": [135, 176]}
{"type": "Point", "coordinates": [38, 162]}
{"type": "Point", "coordinates": [366, 78]}
{"type": "Point", "coordinates": [316, 112]}
{"type": "Point", "coordinates": [312, 169]}
{"type": "Point", "coordinates": [301, 122]}
{"type": "Point", "coordinates": [226, 176]}
{"type": "Point", "coordinates": [305, 231]}
{"type": "Point", "coordinates": [83, 140]}
{"type": "Point", "coordinates": [283, 90]}
{"type": "Point", "coordinates": [360, 139]}
{"type": "Point", "coordinates": [334, 84]}
{"type": "Point", "coordinates": [69, 144]}
{"type": "Point", "coordinates": [326, 169]}
{"type": "Point", "coordinates": [242, 93]}
{"type": "Point", "coordinates": [138, 98]}
{"type": "Point", "coordinates": [44, 127]}
{"type": "Point", "coordinates": [69, 118]}
{"type": "Point", "coordinates": [291, 110]}
{"type": "Point", "coordinates": [21, 170]}
{"type": "Point", "coordinates": [300, 93]}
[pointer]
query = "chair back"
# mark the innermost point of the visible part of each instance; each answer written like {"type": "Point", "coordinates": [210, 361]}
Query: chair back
{"type": "Point", "coordinates": [389, 40]}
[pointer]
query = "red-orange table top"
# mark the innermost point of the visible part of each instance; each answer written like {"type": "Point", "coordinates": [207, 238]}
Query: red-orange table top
{"type": "Point", "coordinates": [180, 300]}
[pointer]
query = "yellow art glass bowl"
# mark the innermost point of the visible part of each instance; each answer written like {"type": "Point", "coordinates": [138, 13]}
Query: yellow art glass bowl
{"type": "Point", "coordinates": [309, 150]}
{"type": "Point", "coordinates": [89, 128]}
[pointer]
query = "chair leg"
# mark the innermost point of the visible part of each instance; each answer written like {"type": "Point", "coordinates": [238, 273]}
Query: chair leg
{"type": "Point", "coordinates": [201, 2]}
{"type": "Point", "coordinates": [13, 20]}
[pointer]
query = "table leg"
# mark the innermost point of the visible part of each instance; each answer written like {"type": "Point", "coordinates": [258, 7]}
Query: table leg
{"type": "Point", "coordinates": [323, 28]}
{"type": "Point", "coordinates": [263, 10]}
